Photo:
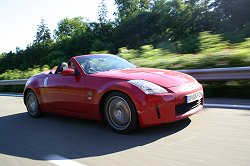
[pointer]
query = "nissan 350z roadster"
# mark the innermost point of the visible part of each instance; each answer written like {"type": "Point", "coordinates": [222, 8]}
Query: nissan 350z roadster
{"type": "Point", "coordinates": [108, 88]}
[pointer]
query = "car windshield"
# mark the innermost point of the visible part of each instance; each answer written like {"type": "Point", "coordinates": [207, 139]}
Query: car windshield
{"type": "Point", "coordinates": [101, 63]}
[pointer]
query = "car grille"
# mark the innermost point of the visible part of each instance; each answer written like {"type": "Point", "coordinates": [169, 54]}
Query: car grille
{"type": "Point", "coordinates": [183, 108]}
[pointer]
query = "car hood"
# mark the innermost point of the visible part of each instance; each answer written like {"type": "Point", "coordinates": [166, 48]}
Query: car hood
{"type": "Point", "coordinates": [165, 78]}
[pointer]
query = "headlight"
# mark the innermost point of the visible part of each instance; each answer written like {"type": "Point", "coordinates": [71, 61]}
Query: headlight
{"type": "Point", "coordinates": [148, 87]}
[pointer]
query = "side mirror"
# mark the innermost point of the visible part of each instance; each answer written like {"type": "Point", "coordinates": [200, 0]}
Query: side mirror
{"type": "Point", "coordinates": [68, 72]}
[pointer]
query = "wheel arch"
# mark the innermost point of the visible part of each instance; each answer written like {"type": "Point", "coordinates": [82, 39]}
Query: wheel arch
{"type": "Point", "coordinates": [102, 101]}
{"type": "Point", "coordinates": [26, 91]}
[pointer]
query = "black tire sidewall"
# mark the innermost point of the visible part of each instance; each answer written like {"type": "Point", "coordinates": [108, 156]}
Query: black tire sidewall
{"type": "Point", "coordinates": [38, 111]}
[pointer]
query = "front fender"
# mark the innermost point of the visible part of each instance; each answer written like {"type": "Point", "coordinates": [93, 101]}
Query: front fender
{"type": "Point", "coordinates": [35, 84]}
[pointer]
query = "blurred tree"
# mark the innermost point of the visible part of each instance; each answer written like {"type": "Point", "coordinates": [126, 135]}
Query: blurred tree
{"type": "Point", "coordinates": [7, 61]}
{"type": "Point", "coordinates": [102, 13]}
{"type": "Point", "coordinates": [139, 30]}
{"type": "Point", "coordinates": [232, 15]}
{"type": "Point", "coordinates": [72, 36]}
{"type": "Point", "coordinates": [174, 25]}
{"type": "Point", "coordinates": [56, 57]}
{"type": "Point", "coordinates": [130, 8]}
{"type": "Point", "coordinates": [70, 27]}
{"type": "Point", "coordinates": [43, 33]}
{"type": "Point", "coordinates": [102, 36]}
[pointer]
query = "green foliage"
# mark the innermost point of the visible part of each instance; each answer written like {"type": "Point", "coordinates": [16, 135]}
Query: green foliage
{"type": "Point", "coordinates": [43, 33]}
{"type": "Point", "coordinates": [56, 57]}
{"type": "Point", "coordinates": [128, 53]}
{"type": "Point", "coordinates": [102, 13]}
{"type": "Point", "coordinates": [237, 36]}
{"type": "Point", "coordinates": [99, 45]}
{"type": "Point", "coordinates": [150, 51]}
{"type": "Point", "coordinates": [170, 34]}
{"type": "Point", "coordinates": [100, 52]}
{"type": "Point", "coordinates": [234, 89]}
{"type": "Point", "coordinates": [211, 42]}
{"type": "Point", "coordinates": [240, 53]}
{"type": "Point", "coordinates": [190, 44]}
{"type": "Point", "coordinates": [130, 8]}
{"type": "Point", "coordinates": [231, 15]}
{"type": "Point", "coordinates": [243, 45]}
{"type": "Point", "coordinates": [18, 74]}
{"type": "Point", "coordinates": [213, 53]}
{"type": "Point", "coordinates": [137, 31]}
{"type": "Point", "coordinates": [68, 28]}
{"type": "Point", "coordinates": [153, 30]}
{"type": "Point", "coordinates": [171, 47]}
{"type": "Point", "coordinates": [12, 88]}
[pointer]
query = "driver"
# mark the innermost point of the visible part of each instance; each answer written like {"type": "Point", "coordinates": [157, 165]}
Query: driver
{"type": "Point", "coordinates": [71, 65]}
{"type": "Point", "coordinates": [61, 67]}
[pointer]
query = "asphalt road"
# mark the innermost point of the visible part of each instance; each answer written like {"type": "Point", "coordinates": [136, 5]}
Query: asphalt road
{"type": "Point", "coordinates": [212, 137]}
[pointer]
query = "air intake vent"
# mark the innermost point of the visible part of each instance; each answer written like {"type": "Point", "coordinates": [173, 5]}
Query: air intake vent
{"type": "Point", "coordinates": [183, 108]}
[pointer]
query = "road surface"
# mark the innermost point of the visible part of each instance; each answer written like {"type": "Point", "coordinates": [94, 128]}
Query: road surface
{"type": "Point", "coordinates": [214, 136]}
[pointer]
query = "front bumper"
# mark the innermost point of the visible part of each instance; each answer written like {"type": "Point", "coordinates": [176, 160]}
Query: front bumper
{"type": "Point", "coordinates": [170, 107]}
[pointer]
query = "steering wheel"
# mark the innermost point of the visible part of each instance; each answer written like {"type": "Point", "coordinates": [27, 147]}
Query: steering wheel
{"type": "Point", "coordinates": [90, 67]}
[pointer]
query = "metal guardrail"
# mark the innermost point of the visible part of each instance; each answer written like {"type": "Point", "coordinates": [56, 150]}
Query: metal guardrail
{"type": "Point", "coordinates": [13, 82]}
{"type": "Point", "coordinates": [214, 74]}
{"type": "Point", "coordinates": [220, 74]}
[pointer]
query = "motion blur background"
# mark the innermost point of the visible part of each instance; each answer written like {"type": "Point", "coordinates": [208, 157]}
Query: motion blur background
{"type": "Point", "coordinates": [169, 34]}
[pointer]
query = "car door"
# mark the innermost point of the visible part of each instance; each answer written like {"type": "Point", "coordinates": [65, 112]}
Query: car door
{"type": "Point", "coordinates": [65, 93]}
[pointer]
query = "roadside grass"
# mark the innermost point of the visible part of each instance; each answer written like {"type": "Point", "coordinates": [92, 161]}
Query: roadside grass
{"type": "Point", "coordinates": [19, 74]}
{"type": "Point", "coordinates": [214, 52]}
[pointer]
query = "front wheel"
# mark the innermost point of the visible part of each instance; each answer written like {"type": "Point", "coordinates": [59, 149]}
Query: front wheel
{"type": "Point", "coordinates": [32, 104]}
{"type": "Point", "coordinates": [120, 113]}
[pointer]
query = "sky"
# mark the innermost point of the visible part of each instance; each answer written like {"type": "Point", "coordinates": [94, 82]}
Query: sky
{"type": "Point", "coordinates": [19, 19]}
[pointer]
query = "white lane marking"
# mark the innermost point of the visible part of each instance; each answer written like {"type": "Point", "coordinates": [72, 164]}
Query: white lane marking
{"type": "Point", "coordinates": [61, 161]}
{"type": "Point", "coordinates": [11, 94]}
{"type": "Point", "coordinates": [228, 106]}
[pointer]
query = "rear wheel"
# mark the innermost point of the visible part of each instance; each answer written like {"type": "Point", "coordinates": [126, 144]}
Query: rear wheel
{"type": "Point", "coordinates": [120, 112]}
{"type": "Point", "coordinates": [32, 104]}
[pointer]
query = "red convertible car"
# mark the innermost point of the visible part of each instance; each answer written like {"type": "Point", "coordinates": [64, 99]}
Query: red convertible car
{"type": "Point", "coordinates": [109, 88]}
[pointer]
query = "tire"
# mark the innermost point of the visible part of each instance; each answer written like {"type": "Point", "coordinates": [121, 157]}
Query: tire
{"type": "Point", "coordinates": [32, 104]}
{"type": "Point", "coordinates": [120, 113]}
